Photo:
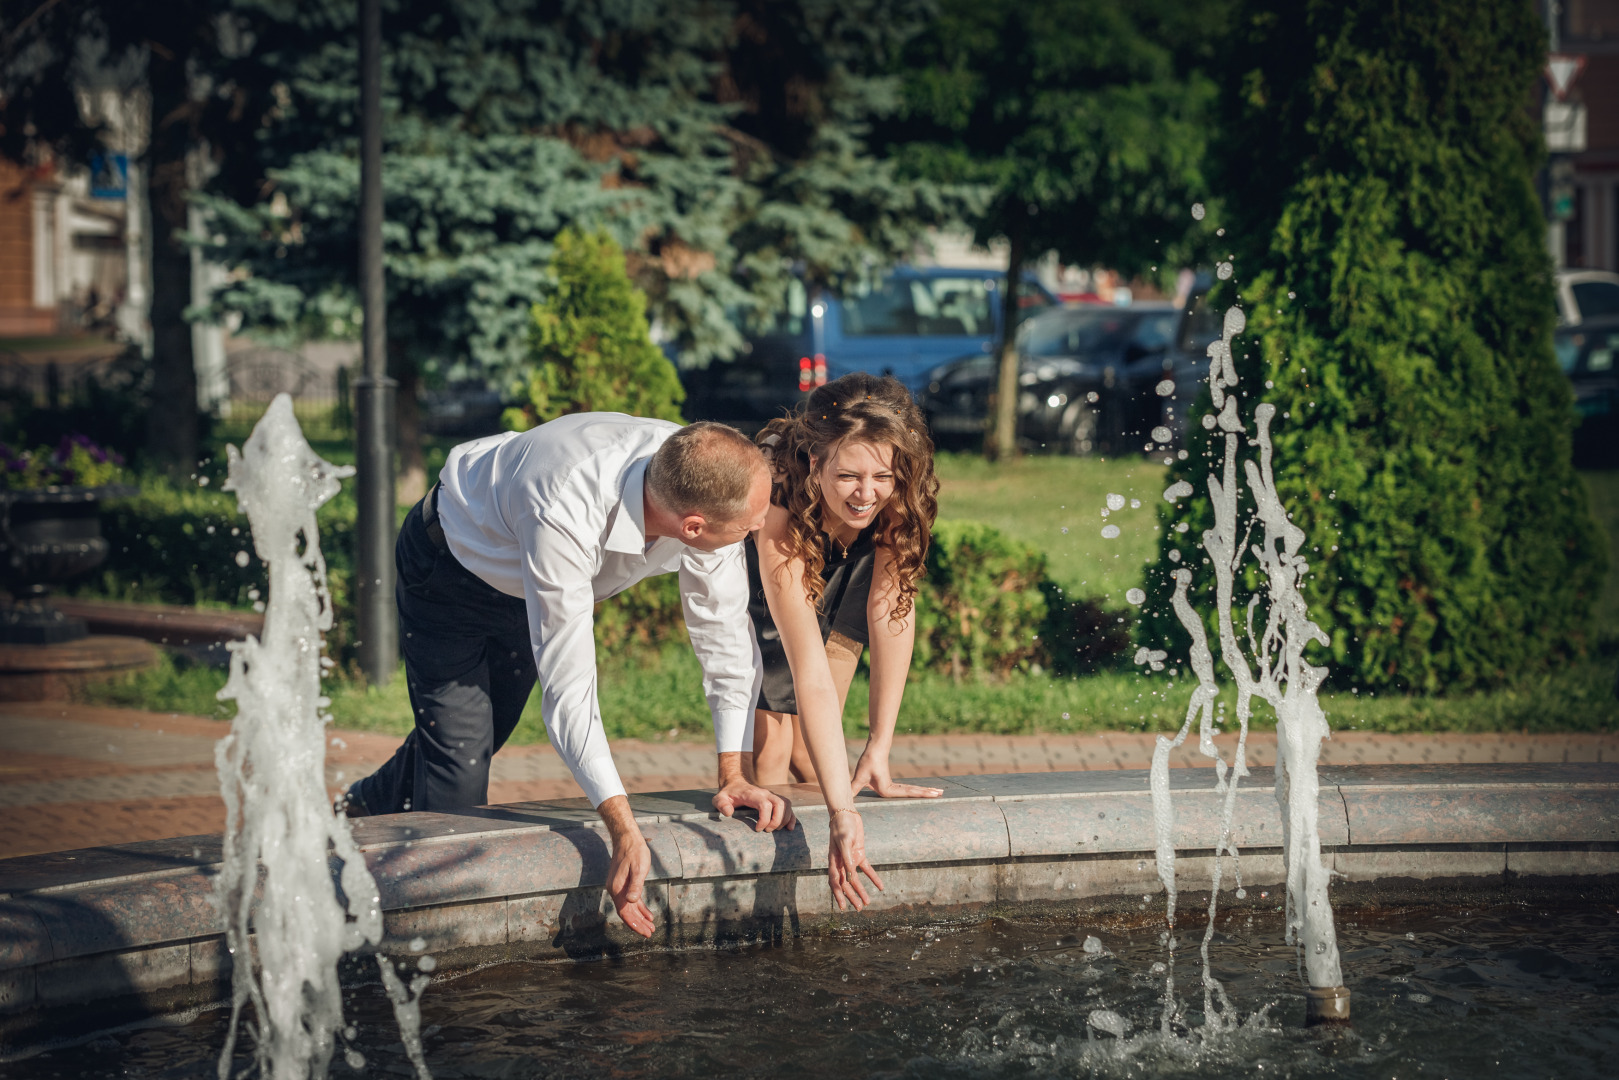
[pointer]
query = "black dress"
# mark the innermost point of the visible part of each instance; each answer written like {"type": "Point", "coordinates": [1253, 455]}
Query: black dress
{"type": "Point", "coordinates": [843, 608]}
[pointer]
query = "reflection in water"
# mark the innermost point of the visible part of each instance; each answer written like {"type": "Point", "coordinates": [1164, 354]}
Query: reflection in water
{"type": "Point", "coordinates": [1509, 992]}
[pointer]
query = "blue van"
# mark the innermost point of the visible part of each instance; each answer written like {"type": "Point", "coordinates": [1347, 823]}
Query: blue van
{"type": "Point", "coordinates": [903, 323]}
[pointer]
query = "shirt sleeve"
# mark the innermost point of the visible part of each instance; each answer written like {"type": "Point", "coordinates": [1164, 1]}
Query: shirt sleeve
{"type": "Point", "coordinates": [561, 616]}
{"type": "Point", "coordinates": [714, 595]}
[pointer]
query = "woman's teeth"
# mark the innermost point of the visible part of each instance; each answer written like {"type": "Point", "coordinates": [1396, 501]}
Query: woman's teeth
{"type": "Point", "coordinates": [861, 509]}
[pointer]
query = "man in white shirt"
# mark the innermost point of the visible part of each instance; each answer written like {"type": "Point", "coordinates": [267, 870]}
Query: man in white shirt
{"type": "Point", "coordinates": [500, 568]}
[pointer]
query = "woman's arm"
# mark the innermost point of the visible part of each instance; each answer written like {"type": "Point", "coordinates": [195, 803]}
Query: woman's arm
{"type": "Point", "coordinates": [783, 578]}
{"type": "Point", "coordinates": [891, 646]}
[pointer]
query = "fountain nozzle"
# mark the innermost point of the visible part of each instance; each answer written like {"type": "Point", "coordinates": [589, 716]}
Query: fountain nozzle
{"type": "Point", "coordinates": [1326, 1005]}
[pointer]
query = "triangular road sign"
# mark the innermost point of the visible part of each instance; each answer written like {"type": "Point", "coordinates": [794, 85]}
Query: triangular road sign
{"type": "Point", "coordinates": [1561, 71]}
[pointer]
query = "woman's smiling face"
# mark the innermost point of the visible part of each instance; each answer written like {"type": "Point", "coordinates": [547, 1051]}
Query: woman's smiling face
{"type": "Point", "coordinates": [857, 481]}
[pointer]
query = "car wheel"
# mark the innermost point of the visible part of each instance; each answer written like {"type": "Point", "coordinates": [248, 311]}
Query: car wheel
{"type": "Point", "coordinates": [1076, 431]}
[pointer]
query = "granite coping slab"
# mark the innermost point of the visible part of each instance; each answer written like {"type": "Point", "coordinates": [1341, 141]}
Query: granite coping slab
{"type": "Point", "coordinates": [71, 904]}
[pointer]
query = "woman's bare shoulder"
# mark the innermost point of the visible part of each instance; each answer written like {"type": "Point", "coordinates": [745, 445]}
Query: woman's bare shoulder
{"type": "Point", "coordinates": [775, 525]}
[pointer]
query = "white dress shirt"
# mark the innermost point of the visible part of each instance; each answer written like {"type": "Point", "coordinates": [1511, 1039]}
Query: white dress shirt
{"type": "Point", "coordinates": [554, 515]}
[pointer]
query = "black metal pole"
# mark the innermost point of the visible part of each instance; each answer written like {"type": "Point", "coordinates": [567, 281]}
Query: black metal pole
{"type": "Point", "coordinates": [374, 391]}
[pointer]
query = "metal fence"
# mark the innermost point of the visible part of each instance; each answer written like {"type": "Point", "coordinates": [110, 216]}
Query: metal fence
{"type": "Point", "coordinates": [320, 397]}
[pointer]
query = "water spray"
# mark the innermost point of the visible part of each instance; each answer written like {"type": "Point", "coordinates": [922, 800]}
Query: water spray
{"type": "Point", "coordinates": [286, 926]}
{"type": "Point", "coordinates": [1284, 680]}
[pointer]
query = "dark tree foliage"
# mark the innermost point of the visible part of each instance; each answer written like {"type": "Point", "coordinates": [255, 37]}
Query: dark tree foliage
{"type": "Point", "coordinates": [1086, 119]}
{"type": "Point", "coordinates": [1377, 163]}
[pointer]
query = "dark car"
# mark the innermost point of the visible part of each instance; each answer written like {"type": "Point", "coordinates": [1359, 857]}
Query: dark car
{"type": "Point", "coordinates": [1166, 384]}
{"type": "Point", "coordinates": [1075, 394]}
{"type": "Point", "coordinates": [1586, 355]}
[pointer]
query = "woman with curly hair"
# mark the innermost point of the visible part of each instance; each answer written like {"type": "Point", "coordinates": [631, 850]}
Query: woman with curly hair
{"type": "Point", "coordinates": [833, 570]}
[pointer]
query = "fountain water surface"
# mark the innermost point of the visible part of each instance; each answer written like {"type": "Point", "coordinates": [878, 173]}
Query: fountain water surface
{"type": "Point", "coordinates": [285, 924]}
{"type": "Point", "coordinates": [1277, 673]}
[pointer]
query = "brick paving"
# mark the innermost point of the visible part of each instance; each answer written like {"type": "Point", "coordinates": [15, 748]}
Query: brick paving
{"type": "Point", "coordinates": [74, 776]}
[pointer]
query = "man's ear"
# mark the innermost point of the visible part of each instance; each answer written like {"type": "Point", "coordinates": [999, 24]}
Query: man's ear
{"type": "Point", "coordinates": [692, 526]}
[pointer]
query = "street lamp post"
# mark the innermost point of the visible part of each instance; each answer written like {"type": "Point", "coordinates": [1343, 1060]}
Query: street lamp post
{"type": "Point", "coordinates": [374, 390]}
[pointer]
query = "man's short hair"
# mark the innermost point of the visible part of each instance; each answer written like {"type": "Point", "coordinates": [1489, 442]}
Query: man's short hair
{"type": "Point", "coordinates": [705, 468]}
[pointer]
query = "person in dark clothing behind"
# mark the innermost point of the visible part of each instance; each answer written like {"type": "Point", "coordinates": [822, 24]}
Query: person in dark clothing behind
{"type": "Point", "coordinates": [835, 569]}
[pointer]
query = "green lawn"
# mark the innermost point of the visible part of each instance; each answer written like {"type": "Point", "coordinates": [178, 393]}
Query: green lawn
{"type": "Point", "coordinates": [1055, 504]}
{"type": "Point", "coordinates": [1034, 499]}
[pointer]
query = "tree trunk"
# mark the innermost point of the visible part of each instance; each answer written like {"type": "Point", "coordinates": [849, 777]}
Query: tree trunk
{"type": "Point", "coordinates": [1002, 445]}
{"type": "Point", "coordinates": [412, 483]}
{"type": "Point", "coordinates": [171, 434]}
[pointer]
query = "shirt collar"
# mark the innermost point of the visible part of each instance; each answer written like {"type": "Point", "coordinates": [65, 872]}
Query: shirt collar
{"type": "Point", "coordinates": [628, 534]}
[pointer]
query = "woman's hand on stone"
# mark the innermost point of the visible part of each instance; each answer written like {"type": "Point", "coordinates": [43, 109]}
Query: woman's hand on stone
{"type": "Point", "coordinates": [872, 772]}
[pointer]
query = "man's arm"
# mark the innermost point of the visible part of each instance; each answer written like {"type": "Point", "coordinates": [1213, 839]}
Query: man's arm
{"type": "Point", "coordinates": [561, 604]}
{"type": "Point", "coordinates": [714, 598]}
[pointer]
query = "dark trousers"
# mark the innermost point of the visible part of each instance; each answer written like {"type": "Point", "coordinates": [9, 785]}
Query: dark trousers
{"type": "Point", "coordinates": [469, 666]}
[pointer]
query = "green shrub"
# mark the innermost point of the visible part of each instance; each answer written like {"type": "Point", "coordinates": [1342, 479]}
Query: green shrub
{"type": "Point", "coordinates": [590, 349]}
{"type": "Point", "coordinates": [639, 621]}
{"type": "Point", "coordinates": [989, 608]}
{"type": "Point", "coordinates": [981, 608]}
{"type": "Point", "coordinates": [1379, 163]}
{"type": "Point", "coordinates": [180, 545]}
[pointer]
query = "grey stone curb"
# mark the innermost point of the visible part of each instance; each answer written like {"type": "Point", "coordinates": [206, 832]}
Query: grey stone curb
{"type": "Point", "coordinates": [137, 922]}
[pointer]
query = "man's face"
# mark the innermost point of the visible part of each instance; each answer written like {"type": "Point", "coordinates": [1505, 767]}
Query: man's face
{"type": "Point", "coordinates": [705, 535]}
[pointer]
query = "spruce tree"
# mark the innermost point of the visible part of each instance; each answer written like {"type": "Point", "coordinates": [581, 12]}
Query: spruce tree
{"type": "Point", "coordinates": [1377, 161]}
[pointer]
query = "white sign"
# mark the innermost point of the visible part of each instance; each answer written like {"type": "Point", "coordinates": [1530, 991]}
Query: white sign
{"type": "Point", "coordinates": [1561, 71]}
{"type": "Point", "coordinates": [1565, 127]}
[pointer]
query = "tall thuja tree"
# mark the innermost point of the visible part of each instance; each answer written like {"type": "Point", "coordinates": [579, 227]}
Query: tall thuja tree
{"type": "Point", "coordinates": [1086, 122]}
{"type": "Point", "coordinates": [1377, 162]}
{"type": "Point", "coordinates": [590, 347]}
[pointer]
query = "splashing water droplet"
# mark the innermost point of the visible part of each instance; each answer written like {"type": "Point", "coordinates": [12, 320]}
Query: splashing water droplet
{"type": "Point", "coordinates": [242, 559]}
{"type": "Point", "coordinates": [1115, 502]}
{"type": "Point", "coordinates": [1136, 597]}
{"type": "Point", "coordinates": [1161, 434]}
{"type": "Point", "coordinates": [1223, 271]}
{"type": "Point", "coordinates": [1198, 211]}
{"type": "Point", "coordinates": [1093, 944]}
{"type": "Point", "coordinates": [1110, 532]}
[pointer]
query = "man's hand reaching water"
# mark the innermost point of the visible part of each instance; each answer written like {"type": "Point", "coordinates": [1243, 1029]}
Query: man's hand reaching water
{"type": "Point", "coordinates": [632, 862]}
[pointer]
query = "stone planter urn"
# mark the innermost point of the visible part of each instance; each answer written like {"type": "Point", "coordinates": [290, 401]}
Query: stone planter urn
{"type": "Point", "coordinates": [48, 536]}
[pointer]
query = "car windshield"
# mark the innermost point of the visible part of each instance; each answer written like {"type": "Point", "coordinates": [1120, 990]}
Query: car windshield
{"type": "Point", "coordinates": [1075, 332]}
{"type": "Point", "coordinates": [1596, 298]}
{"type": "Point", "coordinates": [922, 307]}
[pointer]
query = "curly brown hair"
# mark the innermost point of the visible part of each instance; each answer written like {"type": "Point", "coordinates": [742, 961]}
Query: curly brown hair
{"type": "Point", "coordinates": [856, 408]}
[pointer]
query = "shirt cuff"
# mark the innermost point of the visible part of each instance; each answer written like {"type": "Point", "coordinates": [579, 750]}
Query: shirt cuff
{"type": "Point", "coordinates": [599, 777]}
{"type": "Point", "coordinates": [733, 731]}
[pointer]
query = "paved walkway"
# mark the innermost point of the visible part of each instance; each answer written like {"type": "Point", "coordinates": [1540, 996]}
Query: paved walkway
{"type": "Point", "coordinates": [75, 776]}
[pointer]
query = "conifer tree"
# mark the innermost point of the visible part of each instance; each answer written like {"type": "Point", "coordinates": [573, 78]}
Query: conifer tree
{"type": "Point", "coordinates": [590, 349]}
{"type": "Point", "coordinates": [1377, 161]}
